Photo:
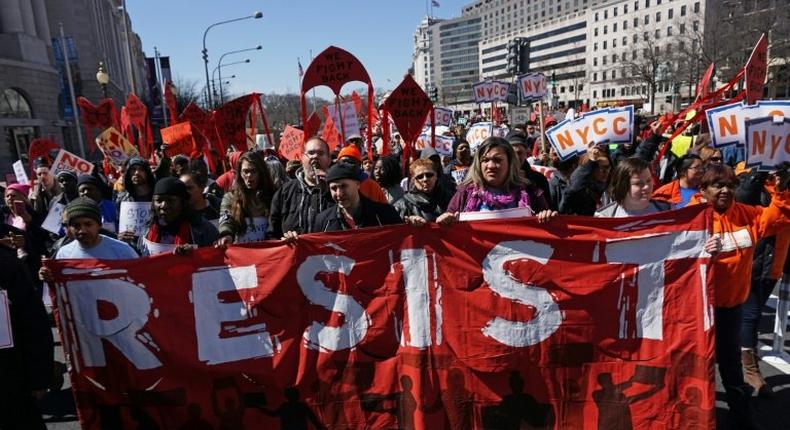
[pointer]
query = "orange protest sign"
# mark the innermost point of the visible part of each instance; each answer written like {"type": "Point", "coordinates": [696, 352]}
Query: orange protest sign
{"type": "Point", "coordinates": [291, 143]}
{"type": "Point", "coordinates": [179, 139]}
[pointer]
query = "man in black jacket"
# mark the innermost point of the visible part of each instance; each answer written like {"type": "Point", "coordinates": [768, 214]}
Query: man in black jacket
{"type": "Point", "coordinates": [352, 210]}
{"type": "Point", "coordinates": [26, 367]}
{"type": "Point", "coordinates": [296, 204]}
{"type": "Point", "coordinates": [519, 139]}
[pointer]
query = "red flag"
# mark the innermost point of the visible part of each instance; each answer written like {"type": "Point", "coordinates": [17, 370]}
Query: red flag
{"type": "Point", "coordinates": [704, 83]}
{"type": "Point", "coordinates": [183, 138]}
{"type": "Point", "coordinates": [313, 123]}
{"type": "Point", "coordinates": [230, 121]}
{"type": "Point", "coordinates": [170, 101]}
{"type": "Point", "coordinates": [40, 148]}
{"type": "Point", "coordinates": [137, 117]}
{"type": "Point", "coordinates": [330, 133]}
{"type": "Point", "coordinates": [756, 70]}
{"type": "Point", "coordinates": [99, 116]}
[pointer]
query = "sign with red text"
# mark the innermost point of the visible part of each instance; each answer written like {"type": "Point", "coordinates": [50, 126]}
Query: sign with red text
{"type": "Point", "coordinates": [756, 70]}
{"type": "Point", "coordinates": [727, 123]}
{"type": "Point", "coordinates": [444, 117]}
{"type": "Point", "coordinates": [68, 161]}
{"type": "Point", "coordinates": [767, 142]}
{"type": "Point", "coordinates": [403, 327]}
{"type": "Point", "coordinates": [291, 143]}
{"type": "Point", "coordinates": [574, 137]}
{"type": "Point", "coordinates": [477, 133]}
{"type": "Point", "coordinates": [115, 146]}
{"type": "Point", "coordinates": [444, 144]}
{"type": "Point", "coordinates": [532, 86]}
{"type": "Point", "coordinates": [490, 91]}
{"type": "Point", "coordinates": [350, 122]}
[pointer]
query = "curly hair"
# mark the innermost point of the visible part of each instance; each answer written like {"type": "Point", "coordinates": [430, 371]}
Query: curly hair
{"type": "Point", "coordinates": [244, 198]}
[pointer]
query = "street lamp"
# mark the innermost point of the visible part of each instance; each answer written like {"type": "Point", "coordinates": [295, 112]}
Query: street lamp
{"type": "Point", "coordinates": [256, 15]}
{"type": "Point", "coordinates": [103, 78]}
{"type": "Point", "coordinates": [219, 64]}
{"type": "Point", "coordinates": [219, 68]}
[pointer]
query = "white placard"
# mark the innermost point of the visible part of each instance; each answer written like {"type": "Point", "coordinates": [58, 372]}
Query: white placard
{"type": "Point", "coordinates": [256, 230]}
{"type": "Point", "coordinates": [6, 336]}
{"type": "Point", "coordinates": [444, 117]}
{"type": "Point", "coordinates": [134, 217]}
{"type": "Point", "coordinates": [159, 248]}
{"type": "Point", "coordinates": [490, 91]}
{"type": "Point", "coordinates": [52, 223]}
{"type": "Point", "coordinates": [572, 137]}
{"type": "Point", "coordinates": [728, 123]}
{"type": "Point", "coordinates": [20, 172]}
{"type": "Point", "coordinates": [767, 142]}
{"type": "Point", "coordinates": [477, 133]}
{"type": "Point", "coordinates": [68, 161]}
{"type": "Point", "coordinates": [532, 86]}
{"type": "Point", "coordinates": [350, 120]}
{"type": "Point", "coordinates": [499, 214]}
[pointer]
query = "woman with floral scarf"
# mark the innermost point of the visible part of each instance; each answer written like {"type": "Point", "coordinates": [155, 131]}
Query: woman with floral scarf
{"type": "Point", "coordinates": [495, 182]}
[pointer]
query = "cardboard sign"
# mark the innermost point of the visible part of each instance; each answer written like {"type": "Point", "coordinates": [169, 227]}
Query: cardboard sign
{"type": "Point", "coordinates": [767, 142]}
{"type": "Point", "coordinates": [479, 132]}
{"type": "Point", "coordinates": [6, 335]}
{"type": "Point", "coordinates": [728, 123]}
{"type": "Point", "coordinates": [444, 117]}
{"type": "Point", "coordinates": [408, 105]}
{"type": "Point", "coordinates": [68, 161]}
{"type": "Point", "coordinates": [573, 137]}
{"type": "Point", "coordinates": [52, 223]}
{"type": "Point", "coordinates": [20, 172]}
{"type": "Point", "coordinates": [350, 120]}
{"type": "Point", "coordinates": [755, 71]}
{"type": "Point", "coordinates": [291, 143]}
{"type": "Point", "coordinates": [115, 146]}
{"type": "Point", "coordinates": [444, 144]}
{"type": "Point", "coordinates": [135, 217]}
{"type": "Point", "coordinates": [490, 91]}
{"type": "Point", "coordinates": [532, 86]}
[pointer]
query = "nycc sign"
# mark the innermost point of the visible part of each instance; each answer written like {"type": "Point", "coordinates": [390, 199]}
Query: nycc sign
{"type": "Point", "coordinates": [728, 123]}
{"type": "Point", "coordinates": [574, 136]}
{"type": "Point", "coordinates": [532, 86]}
{"type": "Point", "coordinates": [490, 91]}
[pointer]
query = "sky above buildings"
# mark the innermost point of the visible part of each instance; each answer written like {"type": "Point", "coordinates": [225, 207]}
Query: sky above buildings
{"type": "Point", "coordinates": [379, 32]}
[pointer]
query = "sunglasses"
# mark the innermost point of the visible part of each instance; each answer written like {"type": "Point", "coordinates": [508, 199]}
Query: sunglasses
{"type": "Point", "coordinates": [715, 159]}
{"type": "Point", "coordinates": [422, 176]}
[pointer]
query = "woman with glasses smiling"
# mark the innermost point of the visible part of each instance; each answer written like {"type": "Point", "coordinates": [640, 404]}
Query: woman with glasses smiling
{"type": "Point", "coordinates": [424, 202]}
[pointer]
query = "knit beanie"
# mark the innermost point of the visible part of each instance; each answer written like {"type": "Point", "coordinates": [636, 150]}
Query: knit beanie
{"type": "Point", "coordinates": [342, 171]}
{"type": "Point", "coordinates": [83, 207]}
{"type": "Point", "coordinates": [171, 186]}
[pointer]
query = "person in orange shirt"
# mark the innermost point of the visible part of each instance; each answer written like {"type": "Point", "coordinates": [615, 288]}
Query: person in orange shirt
{"type": "Point", "coordinates": [679, 192]}
{"type": "Point", "coordinates": [739, 227]}
{"type": "Point", "coordinates": [367, 186]}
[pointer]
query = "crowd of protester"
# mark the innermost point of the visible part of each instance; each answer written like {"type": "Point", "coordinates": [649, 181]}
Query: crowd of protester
{"type": "Point", "coordinates": [263, 197]}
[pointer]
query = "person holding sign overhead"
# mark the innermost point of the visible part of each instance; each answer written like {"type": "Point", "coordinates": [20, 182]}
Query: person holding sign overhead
{"type": "Point", "coordinates": [175, 226]}
{"type": "Point", "coordinates": [586, 190]}
{"type": "Point", "coordinates": [496, 182]}
{"type": "Point", "coordinates": [244, 213]}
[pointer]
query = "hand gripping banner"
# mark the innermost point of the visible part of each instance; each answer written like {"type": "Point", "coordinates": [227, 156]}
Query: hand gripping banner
{"type": "Point", "coordinates": [335, 67]}
{"type": "Point", "coordinates": [579, 323]}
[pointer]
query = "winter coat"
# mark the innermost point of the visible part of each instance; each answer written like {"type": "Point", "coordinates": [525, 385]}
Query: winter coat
{"type": "Point", "coordinates": [417, 203]}
{"type": "Point", "coordinates": [203, 234]}
{"type": "Point", "coordinates": [580, 198]}
{"type": "Point", "coordinates": [557, 185]}
{"type": "Point", "coordinates": [295, 206]}
{"type": "Point", "coordinates": [368, 214]}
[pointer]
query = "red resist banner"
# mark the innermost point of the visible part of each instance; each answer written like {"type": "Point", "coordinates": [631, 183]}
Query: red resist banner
{"type": "Point", "coordinates": [577, 323]}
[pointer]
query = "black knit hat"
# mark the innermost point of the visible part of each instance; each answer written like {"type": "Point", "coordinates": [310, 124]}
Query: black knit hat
{"type": "Point", "coordinates": [83, 207]}
{"type": "Point", "coordinates": [517, 138]}
{"type": "Point", "coordinates": [343, 171]}
{"type": "Point", "coordinates": [41, 162]}
{"type": "Point", "coordinates": [171, 186]}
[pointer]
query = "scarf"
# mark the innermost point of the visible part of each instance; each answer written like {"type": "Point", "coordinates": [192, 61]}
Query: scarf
{"type": "Point", "coordinates": [477, 196]}
{"type": "Point", "coordinates": [182, 237]}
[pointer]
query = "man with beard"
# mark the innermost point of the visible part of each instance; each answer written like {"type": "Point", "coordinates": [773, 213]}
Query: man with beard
{"type": "Point", "coordinates": [45, 188]}
{"type": "Point", "coordinates": [296, 204]}
{"type": "Point", "coordinates": [138, 183]}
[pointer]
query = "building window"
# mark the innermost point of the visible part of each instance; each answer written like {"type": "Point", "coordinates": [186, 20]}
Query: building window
{"type": "Point", "coordinates": [625, 25]}
{"type": "Point", "coordinates": [623, 57]}
{"type": "Point", "coordinates": [603, 61]}
{"type": "Point", "coordinates": [604, 44]}
{"type": "Point", "coordinates": [647, 19]}
{"type": "Point", "coordinates": [683, 10]}
{"type": "Point", "coordinates": [658, 2]}
{"type": "Point", "coordinates": [633, 55]}
{"type": "Point", "coordinates": [596, 16]}
{"type": "Point", "coordinates": [14, 105]}
{"type": "Point", "coordinates": [696, 7]}
{"type": "Point", "coordinates": [614, 28]}
{"type": "Point", "coordinates": [614, 58]}
{"type": "Point", "coordinates": [636, 22]}
{"type": "Point", "coordinates": [658, 33]}
{"type": "Point", "coordinates": [682, 28]}
{"type": "Point", "coordinates": [695, 26]}
{"type": "Point", "coordinates": [670, 14]}
{"type": "Point", "coordinates": [595, 76]}
{"type": "Point", "coordinates": [625, 8]}
{"type": "Point", "coordinates": [658, 16]}
{"type": "Point", "coordinates": [595, 31]}
{"type": "Point", "coordinates": [647, 3]}
{"type": "Point", "coordinates": [595, 46]}
{"type": "Point", "coordinates": [636, 5]}
{"type": "Point", "coordinates": [605, 29]}
{"type": "Point", "coordinates": [595, 61]}
{"type": "Point", "coordinates": [605, 14]}
{"type": "Point", "coordinates": [669, 31]}
{"type": "Point", "coordinates": [636, 38]}
{"type": "Point", "coordinates": [614, 43]}
{"type": "Point", "coordinates": [595, 94]}
{"type": "Point", "coordinates": [604, 75]}
{"type": "Point", "coordinates": [614, 74]}
{"type": "Point", "coordinates": [645, 36]}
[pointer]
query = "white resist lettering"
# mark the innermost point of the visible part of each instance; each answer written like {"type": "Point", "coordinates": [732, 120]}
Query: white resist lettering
{"type": "Point", "coordinates": [547, 318]}
{"type": "Point", "coordinates": [213, 315]}
{"type": "Point", "coordinates": [415, 278]}
{"type": "Point", "coordinates": [319, 336]}
{"type": "Point", "coordinates": [133, 306]}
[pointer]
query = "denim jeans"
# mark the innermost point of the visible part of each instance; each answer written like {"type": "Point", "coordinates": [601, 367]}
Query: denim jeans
{"type": "Point", "coordinates": [728, 345]}
{"type": "Point", "coordinates": [752, 310]}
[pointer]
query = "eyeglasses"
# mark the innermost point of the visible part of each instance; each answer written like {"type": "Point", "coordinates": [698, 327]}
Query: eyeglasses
{"type": "Point", "coordinates": [715, 159]}
{"type": "Point", "coordinates": [427, 175]}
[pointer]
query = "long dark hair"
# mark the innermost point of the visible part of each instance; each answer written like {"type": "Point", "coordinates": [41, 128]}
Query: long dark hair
{"type": "Point", "coordinates": [242, 197]}
{"type": "Point", "coordinates": [391, 172]}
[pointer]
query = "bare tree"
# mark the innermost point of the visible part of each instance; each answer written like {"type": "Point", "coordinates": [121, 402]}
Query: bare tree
{"type": "Point", "coordinates": [188, 91]}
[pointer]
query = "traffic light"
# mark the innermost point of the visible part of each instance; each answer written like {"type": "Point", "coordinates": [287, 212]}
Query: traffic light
{"type": "Point", "coordinates": [434, 92]}
{"type": "Point", "coordinates": [523, 65]}
{"type": "Point", "coordinates": [513, 57]}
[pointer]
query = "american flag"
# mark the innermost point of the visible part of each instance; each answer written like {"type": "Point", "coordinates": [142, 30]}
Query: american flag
{"type": "Point", "coordinates": [301, 71]}
{"type": "Point", "coordinates": [435, 3]}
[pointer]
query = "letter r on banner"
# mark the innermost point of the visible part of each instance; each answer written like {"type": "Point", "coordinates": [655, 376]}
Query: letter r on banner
{"type": "Point", "coordinates": [132, 304]}
{"type": "Point", "coordinates": [548, 317]}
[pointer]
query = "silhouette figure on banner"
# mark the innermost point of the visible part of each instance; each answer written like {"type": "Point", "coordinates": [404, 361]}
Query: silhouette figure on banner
{"type": "Point", "coordinates": [455, 401]}
{"type": "Point", "coordinates": [692, 416]}
{"type": "Point", "coordinates": [231, 416]}
{"type": "Point", "coordinates": [517, 408]}
{"type": "Point", "coordinates": [404, 407]}
{"type": "Point", "coordinates": [294, 414]}
{"type": "Point", "coordinates": [195, 419]}
{"type": "Point", "coordinates": [614, 411]}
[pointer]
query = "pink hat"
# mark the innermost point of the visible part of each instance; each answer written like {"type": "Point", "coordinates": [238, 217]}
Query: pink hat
{"type": "Point", "coordinates": [23, 189]}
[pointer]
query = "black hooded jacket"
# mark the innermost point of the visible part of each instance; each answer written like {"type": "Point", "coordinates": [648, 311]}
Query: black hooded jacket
{"type": "Point", "coordinates": [128, 195]}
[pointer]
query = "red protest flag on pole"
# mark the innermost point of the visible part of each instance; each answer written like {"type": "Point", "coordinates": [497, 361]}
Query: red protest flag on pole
{"type": "Point", "coordinates": [101, 116]}
{"type": "Point", "coordinates": [704, 84]}
{"type": "Point", "coordinates": [312, 126]}
{"type": "Point", "coordinates": [41, 148]}
{"type": "Point", "coordinates": [182, 138]}
{"type": "Point", "coordinates": [137, 117]}
{"type": "Point", "coordinates": [170, 101]}
{"type": "Point", "coordinates": [755, 71]}
{"type": "Point", "coordinates": [230, 122]}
